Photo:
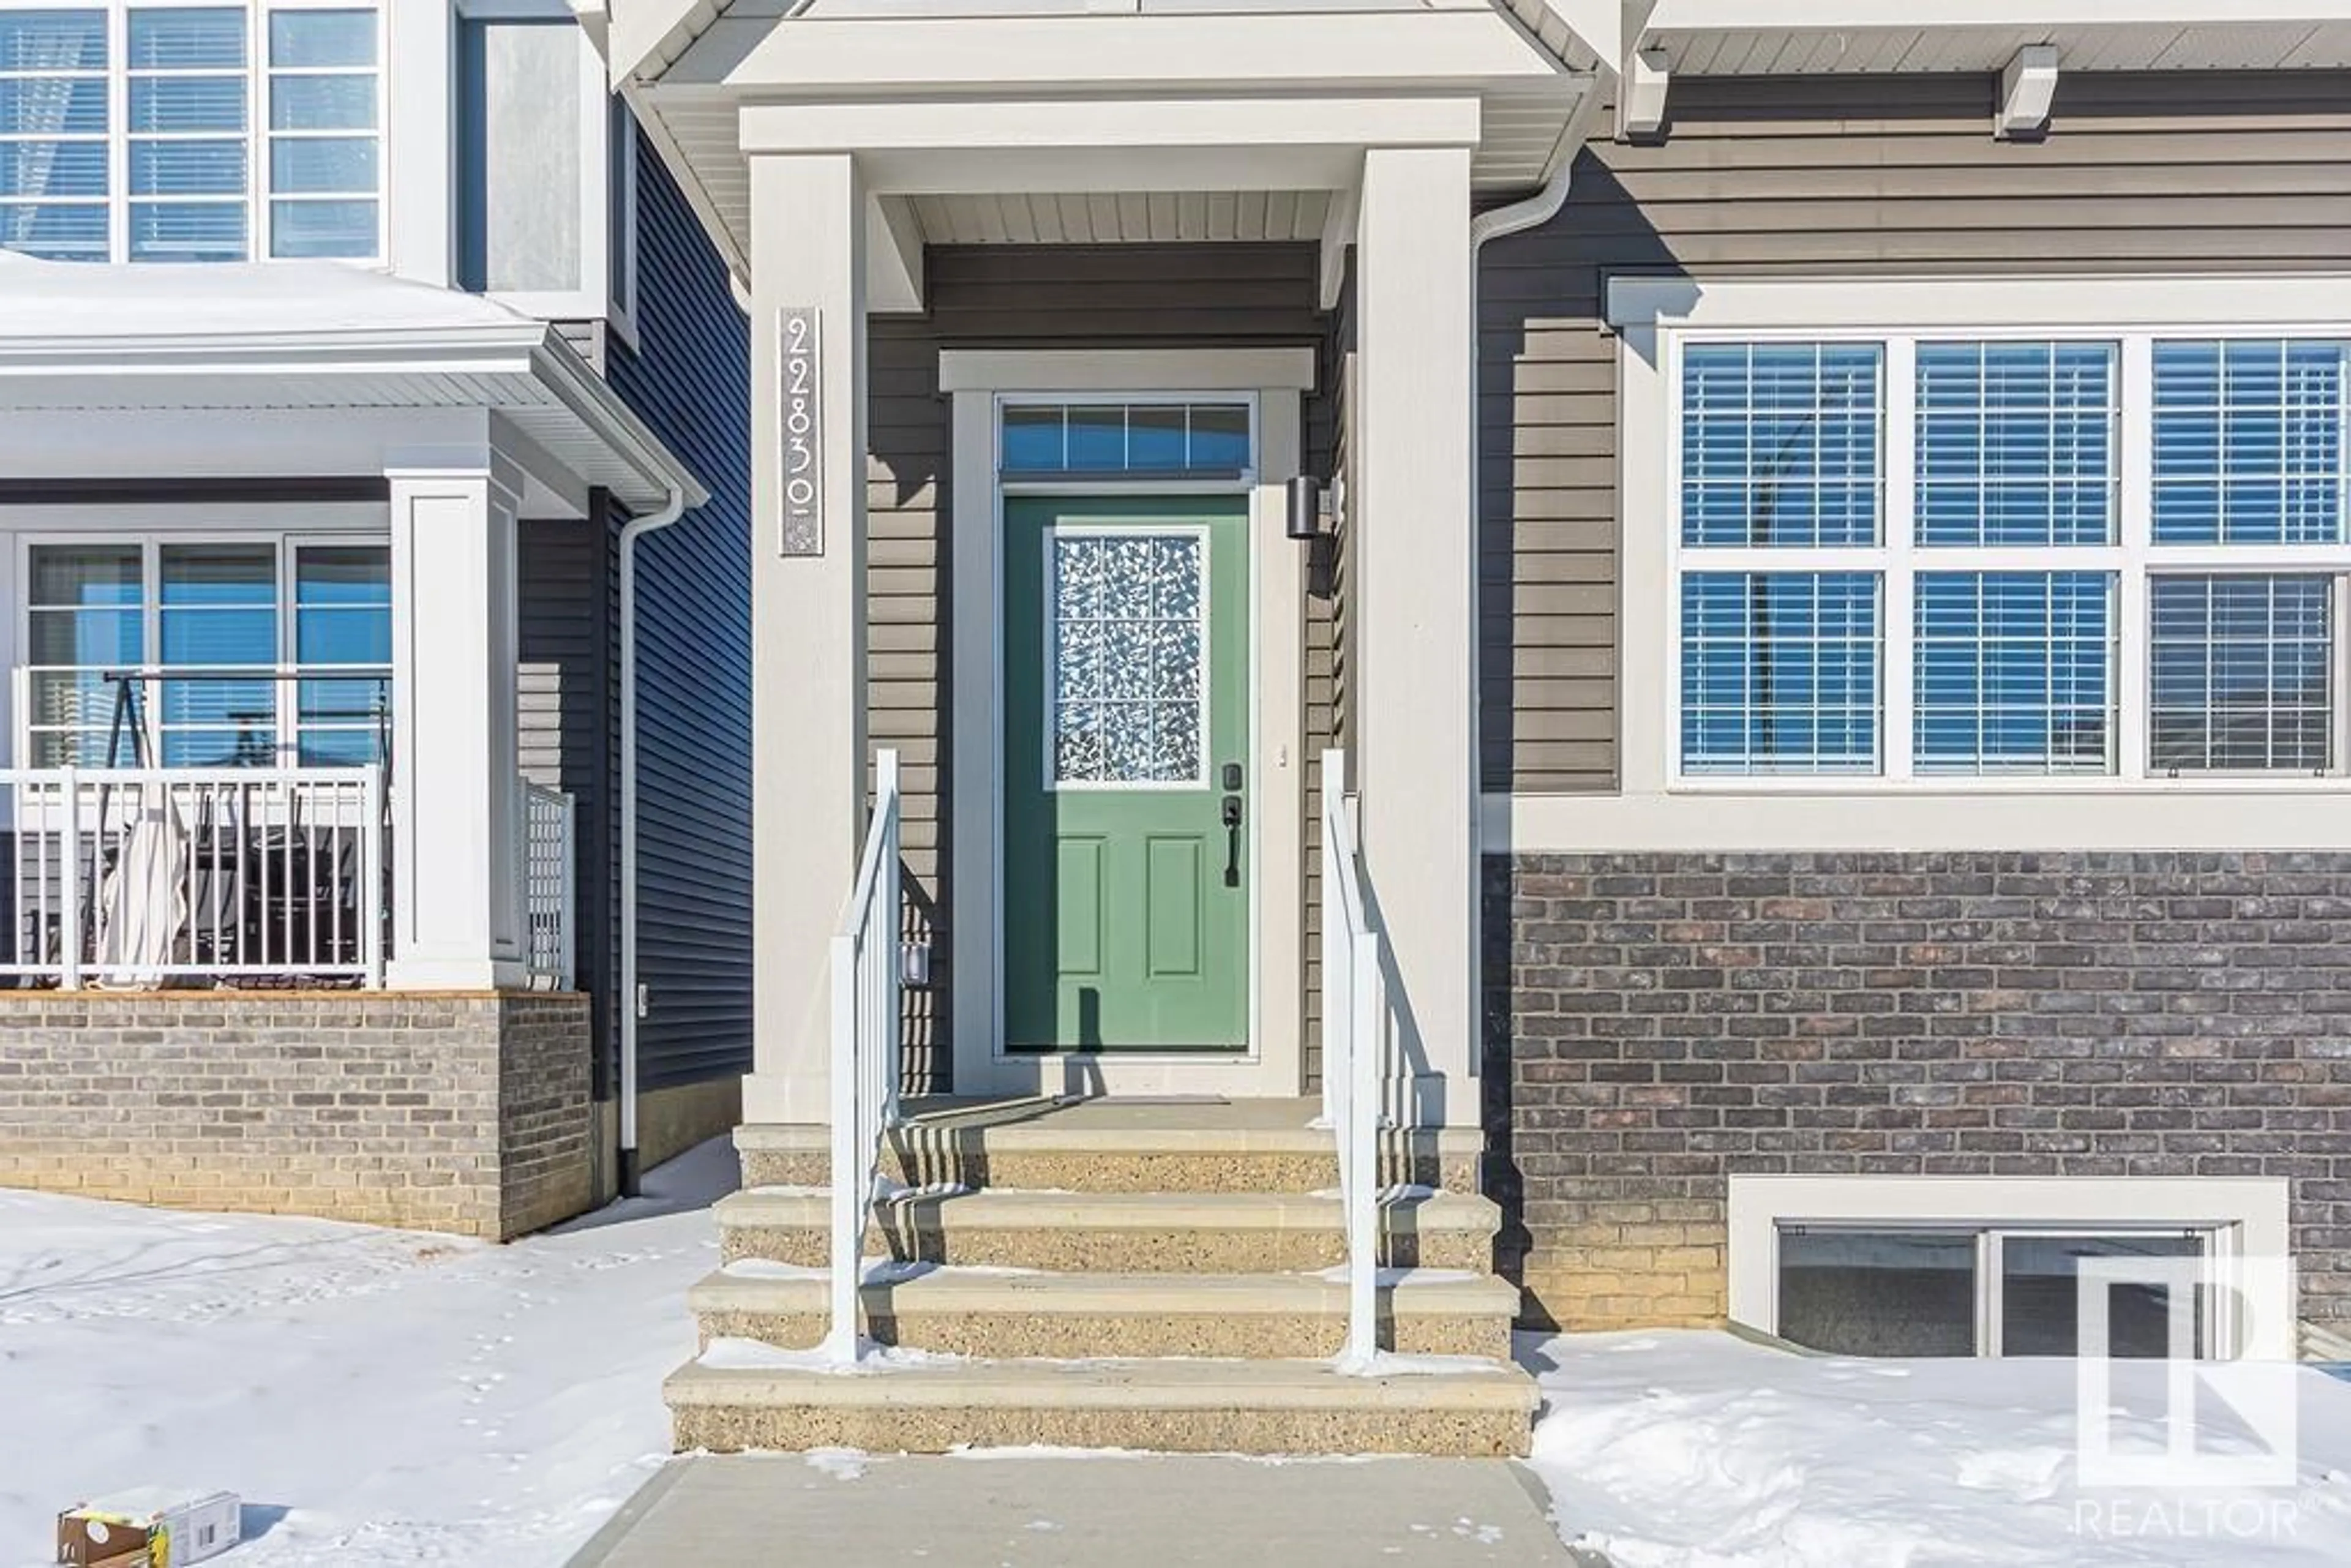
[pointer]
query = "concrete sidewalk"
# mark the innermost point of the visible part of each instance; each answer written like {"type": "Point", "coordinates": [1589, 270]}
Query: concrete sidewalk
{"type": "Point", "coordinates": [1016, 1509]}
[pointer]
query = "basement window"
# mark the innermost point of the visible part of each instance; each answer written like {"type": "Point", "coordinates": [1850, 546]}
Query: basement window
{"type": "Point", "coordinates": [1996, 1266]}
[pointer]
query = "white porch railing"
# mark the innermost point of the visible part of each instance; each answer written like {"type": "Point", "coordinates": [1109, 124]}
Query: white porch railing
{"type": "Point", "coordinates": [865, 1041]}
{"type": "Point", "coordinates": [549, 890]}
{"type": "Point", "coordinates": [1355, 1054]}
{"type": "Point", "coordinates": [139, 876]}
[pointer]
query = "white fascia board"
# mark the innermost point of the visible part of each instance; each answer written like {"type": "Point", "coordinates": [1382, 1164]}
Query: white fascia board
{"type": "Point", "coordinates": [642, 37]}
{"type": "Point", "coordinates": [595, 404]}
{"type": "Point", "coordinates": [1815, 15]}
{"type": "Point", "coordinates": [1253, 125]}
{"type": "Point", "coordinates": [1922, 304]}
{"type": "Point", "coordinates": [1235, 52]}
{"type": "Point", "coordinates": [500, 349]}
{"type": "Point", "coordinates": [1086, 171]}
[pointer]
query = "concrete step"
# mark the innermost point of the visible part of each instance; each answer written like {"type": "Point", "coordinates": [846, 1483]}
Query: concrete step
{"type": "Point", "coordinates": [999, 1313]}
{"type": "Point", "coordinates": [736, 1397]}
{"type": "Point", "coordinates": [1111, 1146]}
{"type": "Point", "coordinates": [1132, 1233]}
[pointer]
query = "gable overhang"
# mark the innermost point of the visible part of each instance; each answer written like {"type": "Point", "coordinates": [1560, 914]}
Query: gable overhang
{"type": "Point", "coordinates": [1003, 125]}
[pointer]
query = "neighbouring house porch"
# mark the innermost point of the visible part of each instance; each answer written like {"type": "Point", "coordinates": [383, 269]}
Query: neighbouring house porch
{"type": "Point", "coordinates": [301, 908]}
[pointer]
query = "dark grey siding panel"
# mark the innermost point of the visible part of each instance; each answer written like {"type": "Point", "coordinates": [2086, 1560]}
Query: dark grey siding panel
{"type": "Point", "coordinates": [569, 713]}
{"type": "Point", "coordinates": [2176, 172]}
{"type": "Point", "coordinates": [689, 378]}
{"type": "Point", "coordinates": [1014, 297]}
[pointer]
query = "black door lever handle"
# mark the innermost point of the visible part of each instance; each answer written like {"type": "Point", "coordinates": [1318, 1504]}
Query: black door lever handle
{"type": "Point", "coordinates": [1232, 819]}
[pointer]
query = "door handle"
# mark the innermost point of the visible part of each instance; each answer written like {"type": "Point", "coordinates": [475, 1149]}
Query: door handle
{"type": "Point", "coordinates": [1232, 820]}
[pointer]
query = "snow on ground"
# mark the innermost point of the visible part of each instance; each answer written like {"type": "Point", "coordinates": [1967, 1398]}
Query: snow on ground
{"type": "Point", "coordinates": [1692, 1449]}
{"type": "Point", "coordinates": [375, 1397]}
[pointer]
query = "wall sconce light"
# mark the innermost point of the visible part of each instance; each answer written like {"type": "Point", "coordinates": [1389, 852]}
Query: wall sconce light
{"type": "Point", "coordinates": [1305, 518]}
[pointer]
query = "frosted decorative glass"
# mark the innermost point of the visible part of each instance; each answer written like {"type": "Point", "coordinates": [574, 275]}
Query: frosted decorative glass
{"type": "Point", "coordinates": [1129, 642]}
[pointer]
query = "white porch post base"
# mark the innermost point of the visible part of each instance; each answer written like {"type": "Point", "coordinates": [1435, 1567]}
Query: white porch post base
{"type": "Point", "coordinates": [455, 789]}
{"type": "Point", "coordinates": [807, 635]}
{"type": "Point", "coordinates": [1415, 569]}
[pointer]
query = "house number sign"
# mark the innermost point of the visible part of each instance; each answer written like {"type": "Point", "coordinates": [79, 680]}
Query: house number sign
{"type": "Point", "coordinates": [803, 419]}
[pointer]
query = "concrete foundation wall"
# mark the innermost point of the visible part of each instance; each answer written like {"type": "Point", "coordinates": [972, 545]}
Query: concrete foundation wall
{"type": "Point", "coordinates": [465, 1112]}
{"type": "Point", "coordinates": [1658, 1022]}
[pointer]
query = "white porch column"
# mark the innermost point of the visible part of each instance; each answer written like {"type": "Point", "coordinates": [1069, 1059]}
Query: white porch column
{"type": "Point", "coordinates": [808, 625]}
{"type": "Point", "coordinates": [1413, 568]}
{"type": "Point", "coordinates": [456, 805]}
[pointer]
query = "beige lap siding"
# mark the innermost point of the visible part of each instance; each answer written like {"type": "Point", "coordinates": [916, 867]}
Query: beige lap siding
{"type": "Point", "coordinates": [466, 1113]}
{"type": "Point", "coordinates": [1655, 1023]}
{"type": "Point", "coordinates": [1764, 177]}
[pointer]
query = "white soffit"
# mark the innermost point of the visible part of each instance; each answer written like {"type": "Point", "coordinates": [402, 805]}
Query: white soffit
{"type": "Point", "coordinates": [1124, 217]}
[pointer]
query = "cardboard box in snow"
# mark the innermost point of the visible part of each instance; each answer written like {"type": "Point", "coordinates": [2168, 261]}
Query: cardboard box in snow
{"type": "Point", "coordinates": [152, 1527]}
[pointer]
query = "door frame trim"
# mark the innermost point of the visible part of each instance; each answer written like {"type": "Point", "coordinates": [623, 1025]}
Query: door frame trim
{"type": "Point", "coordinates": [1276, 380]}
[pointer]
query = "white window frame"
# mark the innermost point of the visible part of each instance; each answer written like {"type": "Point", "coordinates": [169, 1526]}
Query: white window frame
{"type": "Point", "coordinates": [1658, 317]}
{"type": "Point", "coordinates": [258, 136]}
{"type": "Point", "coordinates": [593, 297]}
{"type": "Point", "coordinates": [2245, 1217]}
{"type": "Point", "coordinates": [286, 543]}
{"type": "Point", "coordinates": [621, 216]}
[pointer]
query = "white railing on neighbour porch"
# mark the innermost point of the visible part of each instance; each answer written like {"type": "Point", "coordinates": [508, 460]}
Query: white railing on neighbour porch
{"type": "Point", "coordinates": [141, 876]}
{"type": "Point", "coordinates": [1355, 1054]}
{"type": "Point", "coordinates": [549, 894]}
{"type": "Point", "coordinates": [865, 979]}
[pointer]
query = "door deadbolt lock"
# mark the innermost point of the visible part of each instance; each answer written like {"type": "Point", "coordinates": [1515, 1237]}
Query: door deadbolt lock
{"type": "Point", "coordinates": [1232, 777]}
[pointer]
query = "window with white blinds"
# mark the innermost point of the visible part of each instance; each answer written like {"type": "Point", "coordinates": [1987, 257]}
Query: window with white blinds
{"type": "Point", "coordinates": [169, 131]}
{"type": "Point", "coordinates": [2112, 555]}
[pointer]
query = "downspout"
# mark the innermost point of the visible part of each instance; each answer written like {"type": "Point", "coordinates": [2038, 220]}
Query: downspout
{"type": "Point", "coordinates": [631, 1003]}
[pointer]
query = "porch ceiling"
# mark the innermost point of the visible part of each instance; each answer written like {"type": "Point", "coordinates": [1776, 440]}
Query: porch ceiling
{"type": "Point", "coordinates": [1125, 217]}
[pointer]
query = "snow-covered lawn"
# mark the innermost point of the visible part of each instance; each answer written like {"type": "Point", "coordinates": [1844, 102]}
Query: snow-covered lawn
{"type": "Point", "coordinates": [375, 1397]}
{"type": "Point", "coordinates": [383, 1398]}
{"type": "Point", "coordinates": [1702, 1450]}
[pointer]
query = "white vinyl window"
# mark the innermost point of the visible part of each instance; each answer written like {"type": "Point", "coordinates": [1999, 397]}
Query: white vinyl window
{"type": "Point", "coordinates": [1993, 1266]}
{"type": "Point", "coordinates": [163, 131]}
{"type": "Point", "coordinates": [1948, 556]}
{"type": "Point", "coordinates": [256, 651]}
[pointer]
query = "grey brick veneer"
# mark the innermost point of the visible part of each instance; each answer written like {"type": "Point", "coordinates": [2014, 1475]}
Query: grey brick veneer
{"type": "Point", "coordinates": [466, 1112]}
{"type": "Point", "coordinates": [1656, 1022]}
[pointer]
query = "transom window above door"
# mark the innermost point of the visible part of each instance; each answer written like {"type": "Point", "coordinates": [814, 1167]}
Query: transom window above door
{"type": "Point", "coordinates": [1155, 439]}
{"type": "Point", "coordinates": [1936, 558]}
{"type": "Point", "coordinates": [256, 652]}
{"type": "Point", "coordinates": [191, 132]}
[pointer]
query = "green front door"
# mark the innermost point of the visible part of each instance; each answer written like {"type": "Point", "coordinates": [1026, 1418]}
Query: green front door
{"type": "Point", "coordinates": [1126, 774]}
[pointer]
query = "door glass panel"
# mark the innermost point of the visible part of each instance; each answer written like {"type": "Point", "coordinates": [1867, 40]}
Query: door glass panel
{"type": "Point", "coordinates": [1856, 1293]}
{"type": "Point", "coordinates": [1129, 640]}
{"type": "Point", "coordinates": [2041, 1295]}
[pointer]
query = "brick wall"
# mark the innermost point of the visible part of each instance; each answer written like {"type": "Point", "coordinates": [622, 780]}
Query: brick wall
{"type": "Point", "coordinates": [467, 1114]}
{"type": "Point", "coordinates": [1658, 1022]}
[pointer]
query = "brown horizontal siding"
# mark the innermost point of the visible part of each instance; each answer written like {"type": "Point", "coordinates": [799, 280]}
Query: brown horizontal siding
{"type": "Point", "coordinates": [1776, 177]}
{"type": "Point", "coordinates": [1124, 296]}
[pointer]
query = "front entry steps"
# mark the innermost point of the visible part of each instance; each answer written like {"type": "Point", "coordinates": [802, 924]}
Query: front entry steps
{"type": "Point", "coordinates": [1107, 1273]}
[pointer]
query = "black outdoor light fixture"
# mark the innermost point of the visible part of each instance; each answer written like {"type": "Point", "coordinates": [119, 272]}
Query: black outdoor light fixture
{"type": "Point", "coordinates": [1305, 521]}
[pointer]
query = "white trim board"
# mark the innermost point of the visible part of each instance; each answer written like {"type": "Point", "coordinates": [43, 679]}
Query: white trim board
{"type": "Point", "coordinates": [2083, 304]}
{"type": "Point", "coordinates": [978, 381]}
{"type": "Point", "coordinates": [2252, 1210]}
{"type": "Point", "coordinates": [1139, 370]}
